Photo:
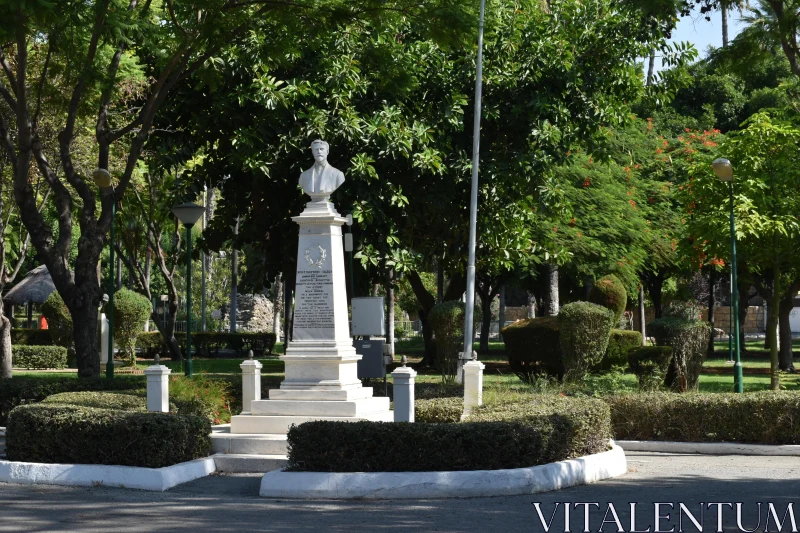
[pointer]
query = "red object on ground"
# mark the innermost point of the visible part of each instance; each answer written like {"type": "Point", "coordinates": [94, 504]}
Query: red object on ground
{"type": "Point", "coordinates": [42, 322]}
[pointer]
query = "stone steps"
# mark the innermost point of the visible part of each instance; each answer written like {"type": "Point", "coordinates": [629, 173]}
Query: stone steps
{"type": "Point", "coordinates": [235, 463]}
{"type": "Point", "coordinates": [223, 441]}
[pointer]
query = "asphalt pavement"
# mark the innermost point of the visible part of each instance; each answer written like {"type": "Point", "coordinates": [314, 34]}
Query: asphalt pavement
{"type": "Point", "coordinates": [709, 487]}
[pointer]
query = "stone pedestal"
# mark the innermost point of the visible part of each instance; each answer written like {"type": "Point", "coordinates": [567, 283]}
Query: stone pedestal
{"type": "Point", "coordinates": [404, 394]}
{"type": "Point", "coordinates": [251, 383]}
{"type": "Point", "coordinates": [321, 380]}
{"type": "Point", "coordinates": [473, 384]}
{"type": "Point", "coordinates": [157, 388]}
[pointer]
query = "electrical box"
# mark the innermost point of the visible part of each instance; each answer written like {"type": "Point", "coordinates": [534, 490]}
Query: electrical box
{"type": "Point", "coordinates": [368, 318]}
{"type": "Point", "coordinates": [372, 363]}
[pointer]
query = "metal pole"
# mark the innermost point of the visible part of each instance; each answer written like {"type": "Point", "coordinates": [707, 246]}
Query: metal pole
{"type": "Point", "coordinates": [730, 319]}
{"type": "Point", "coordinates": [111, 287]}
{"type": "Point", "coordinates": [189, 300]}
{"type": "Point", "coordinates": [204, 261]}
{"type": "Point", "coordinates": [473, 205]}
{"type": "Point", "coordinates": [738, 384]}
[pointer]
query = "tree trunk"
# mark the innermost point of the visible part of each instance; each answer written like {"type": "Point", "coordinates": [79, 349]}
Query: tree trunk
{"type": "Point", "coordinates": [531, 305]}
{"type": "Point", "coordinates": [486, 295]}
{"type": "Point", "coordinates": [426, 301]}
{"type": "Point", "coordinates": [772, 333]}
{"type": "Point", "coordinates": [655, 287]}
{"type": "Point", "coordinates": [84, 331]}
{"type": "Point", "coordinates": [712, 285]}
{"type": "Point", "coordinates": [785, 356]}
{"type": "Point", "coordinates": [642, 318]}
{"type": "Point", "coordinates": [551, 301]}
{"type": "Point", "coordinates": [651, 67]}
{"type": "Point", "coordinates": [280, 286]}
{"type": "Point", "coordinates": [501, 319]}
{"type": "Point", "coordinates": [5, 346]}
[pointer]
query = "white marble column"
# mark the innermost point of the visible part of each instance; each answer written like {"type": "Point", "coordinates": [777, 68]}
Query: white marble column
{"type": "Point", "coordinates": [251, 383]}
{"type": "Point", "coordinates": [157, 388]}
{"type": "Point", "coordinates": [404, 394]}
{"type": "Point", "coordinates": [473, 384]}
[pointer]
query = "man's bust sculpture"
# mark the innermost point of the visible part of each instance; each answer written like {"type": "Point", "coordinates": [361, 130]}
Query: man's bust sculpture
{"type": "Point", "coordinates": [322, 178]}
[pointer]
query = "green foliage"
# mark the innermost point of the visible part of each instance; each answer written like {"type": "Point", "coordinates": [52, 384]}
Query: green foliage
{"type": "Point", "coordinates": [685, 310]}
{"type": "Point", "coordinates": [650, 364]}
{"type": "Point", "coordinates": [609, 292]}
{"type": "Point", "coordinates": [447, 322]}
{"type": "Point", "coordinates": [407, 300]}
{"type": "Point", "coordinates": [768, 417]}
{"type": "Point", "coordinates": [31, 337]}
{"type": "Point", "coordinates": [38, 356]}
{"type": "Point", "coordinates": [620, 342]}
{"type": "Point", "coordinates": [209, 343]}
{"type": "Point", "coordinates": [151, 343]}
{"type": "Point", "coordinates": [23, 390]}
{"type": "Point", "coordinates": [437, 410]}
{"type": "Point", "coordinates": [59, 320]}
{"type": "Point", "coordinates": [100, 400]}
{"type": "Point", "coordinates": [201, 396]}
{"type": "Point", "coordinates": [496, 437]}
{"type": "Point", "coordinates": [131, 311]}
{"type": "Point", "coordinates": [71, 434]}
{"type": "Point", "coordinates": [534, 348]}
{"type": "Point", "coordinates": [689, 342]}
{"type": "Point", "coordinates": [584, 329]}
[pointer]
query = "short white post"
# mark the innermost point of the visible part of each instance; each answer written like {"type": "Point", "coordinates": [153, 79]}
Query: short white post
{"type": "Point", "coordinates": [103, 339]}
{"type": "Point", "coordinates": [251, 382]}
{"type": "Point", "coordinates": [157, 388]}
{"type": "Point", "coordinates": [404, 393]}
{"type": "Point", "coordinates": [473, 385]}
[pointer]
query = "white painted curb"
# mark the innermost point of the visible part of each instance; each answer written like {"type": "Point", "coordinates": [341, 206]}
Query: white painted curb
{"type": "Point", "coordinates": [462, 484]}
{"type": "Point", "coordinates": [128, 477]}
{"type": "Point", "coordinates": [710, 448]}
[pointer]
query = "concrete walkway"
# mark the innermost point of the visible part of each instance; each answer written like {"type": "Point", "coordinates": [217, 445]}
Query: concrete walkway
{"type": "Point", "coordinates": [231, 503]}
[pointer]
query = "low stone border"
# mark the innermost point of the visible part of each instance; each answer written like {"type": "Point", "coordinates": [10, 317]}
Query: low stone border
{"type": "Point", "coordinates": [463, 484]}
{"type": "Point", "coordinates": [127, 477]}
{"type": "Point", "coordinates": [710, 448]}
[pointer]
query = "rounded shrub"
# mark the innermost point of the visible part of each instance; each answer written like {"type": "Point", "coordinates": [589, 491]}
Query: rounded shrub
{"type": "Point", "coordinates": [583, 329]}
{"type": "Point", "coordinates": [619, 343]}
{"type": "Point", "coordinates": [447, 322]}
{"type": "Point", "coordinates": [609, 292]}
{"type": "Point", "coordinates": [99, 400]}
{"type": "Point", "coordinates": [650, 364]}
{"type": "Point", "coordinates": [689, 342]}
{"type": "Point", "coordinates": [131, 311]}
{"type": "Point", "coordinates": [59, 320]}
{"type": "Point", "coordinates": [534, 348]}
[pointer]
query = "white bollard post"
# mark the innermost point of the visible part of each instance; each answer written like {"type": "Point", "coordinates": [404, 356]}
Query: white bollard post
{"type": "Point", "coordinates": [473, 385]}
{"type": "Point", "coordinates": [251, 382]}
{"type": "Point", "coordinates": [404, 393]}
{"type": "Point", "coordinates": [157, 388]}
{"type": "Point", "coordinates": [103, 339]}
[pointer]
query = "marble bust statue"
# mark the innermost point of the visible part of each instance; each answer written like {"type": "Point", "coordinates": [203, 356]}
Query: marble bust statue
{"type": "Point", "coordinates": [321, 178]}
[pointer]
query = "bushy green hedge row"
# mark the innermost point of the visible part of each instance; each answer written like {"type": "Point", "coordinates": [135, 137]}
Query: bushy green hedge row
{"type": "Point", "coordinates": [438, 410]}
{"type": "Point", "coordinates": [31, 337]}
{"type": "Point", "coordinates": [24, 390]}
{"type": "Point", "coordinates": [767, 417]}
{"type": "Point", "coordinates": [650, 364]}
{"type": "Point", "coordinates": [494, 437]}
{"type": "Point", "coordinates": [23, 356]}
{"type": "Point", "coordinates": [208, 344]}
{"type": "Point", "coordinates": [45, 433]}
{"type": "Point", "coordinates": [99, 400]}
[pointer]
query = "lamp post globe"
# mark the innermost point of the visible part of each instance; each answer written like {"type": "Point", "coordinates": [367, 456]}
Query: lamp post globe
{"type": "Point", "coordinates": [724, 171]}
{"type": "Point", "coordinates": [188, 213]}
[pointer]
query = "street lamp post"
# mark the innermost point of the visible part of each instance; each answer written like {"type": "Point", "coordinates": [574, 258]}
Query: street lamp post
{"type": "Point", "coordinates": [724, 171]}
{"type": "Point", "coordinates": [102, 179]}
{"type": "Point", "coordinates": [188, 214]}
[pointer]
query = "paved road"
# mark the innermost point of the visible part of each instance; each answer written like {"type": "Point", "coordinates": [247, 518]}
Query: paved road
{"type": "Point", "coordinates": [231, 503]}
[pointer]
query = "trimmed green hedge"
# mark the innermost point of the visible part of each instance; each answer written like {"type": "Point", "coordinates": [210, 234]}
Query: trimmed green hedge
{"type": "Point", "coordinates": [584, 329]}
{"type": "Point", "coordinates": [151, 343]}
{"type": "Point", "coordinates": [438, 410]}
{"type": "Point", "coordinates": [447, 323]}
{"type": "Point", "coordinates": [534, 348]}
{"type": "Point", "coordinates": [59, 320]}
{"type": "Point", "coordinates": [768, 417]}
{"type": "Point", "coordinates": [609, 292]}
{"type": "Point", "coordinates": [83, 435]}
{"type": "Point", "coordinates": [650, 364]}
{"type": "Point", "coordinates": [689, 342]}
{"type": "Point", "coordinates": [99, 400]}
{"type": "Point", "coordinates": [209, 344]}
{"type": "Point", "coordinates": [31, 337]}
{"type": "Point", "coordinates": [495, 437]}
{"type": "Point", "coordinates": [619, 343]}
{"type": "Point", "coordinates": [23, 356]}
{"type": "Point", "coordinates": [24, 390]}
